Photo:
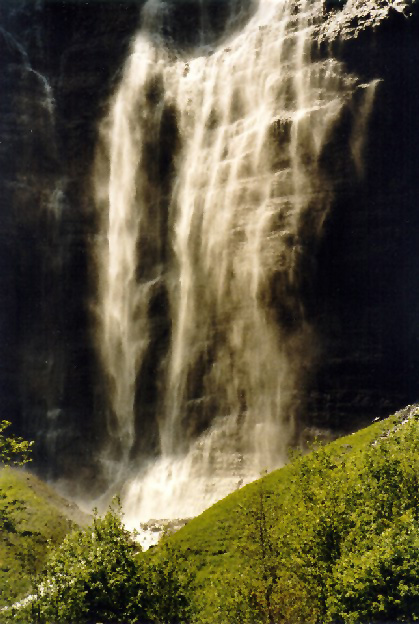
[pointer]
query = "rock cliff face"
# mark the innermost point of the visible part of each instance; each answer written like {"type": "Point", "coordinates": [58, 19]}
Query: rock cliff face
{"type": "Point", "coordinates": [366, 299]}
{"type": "Point", "coordinates": [59, 63]}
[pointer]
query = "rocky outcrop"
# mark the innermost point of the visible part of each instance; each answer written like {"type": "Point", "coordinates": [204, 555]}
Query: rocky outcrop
{"type": "Point", "coordinates": [347, 19]}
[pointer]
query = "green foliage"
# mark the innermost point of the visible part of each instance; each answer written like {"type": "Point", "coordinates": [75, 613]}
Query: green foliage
{"type": "Point", "coordinates": [13, 450]}
{"type": "Point", "coordinates": [30, 524]}
{"type": "Point", "coordinates": [16, 451]}
{"type": "Point", "coordinates": [381, 581]}
{"type": "Point", "coordinates": [100, 574]}
{"type": "Point", "coordinates": [92, 575]}
{"type": "Point", "coordinates": [377, 574]}
{"type": "Point", "coordinates": [268, 590]}
{"type": "Point", "coordinates": [167, 585]}
{"type": "Point", "coordinates": [333, 537]}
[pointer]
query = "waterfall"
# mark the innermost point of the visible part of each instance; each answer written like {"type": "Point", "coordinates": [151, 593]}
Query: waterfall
{"type": "Point", "coordinates": [47, 101]}
{"type": "Point", "coordinates": [211, 193]}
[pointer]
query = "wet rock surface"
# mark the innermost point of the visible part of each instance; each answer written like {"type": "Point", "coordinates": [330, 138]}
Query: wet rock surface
{"type": "Point", "coordinates": [366, 301]}
{"type": "Point", "coordinates": [59, 63]}
{"type": "Point", "coordinates": [347, 19]}
{"type": "Point", "coordinates": [150, 533]}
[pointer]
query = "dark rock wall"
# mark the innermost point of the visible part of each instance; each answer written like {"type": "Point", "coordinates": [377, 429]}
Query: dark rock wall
{"type": "Point", "coordinates": [72, 52]}
{"type": "Point", "coordinates": [367, 290]}
{"type": "Point", "coordinates": [364, 301]}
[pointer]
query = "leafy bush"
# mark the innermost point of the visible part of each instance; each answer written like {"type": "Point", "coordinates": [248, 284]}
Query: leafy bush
{"type": "Point", "coordinates": [99, 574]}
{"type": "Point", "coordinates": [331, 538]}
{"type": "Point", "coordinates": [167, 585]}
{"type": "Point", "coordinates": [92, 576]}
{"type": "Point", "coordinates": [381, 581]}
{"type": "Point", "coordinates": [13, 450]}
{"type": "Point", "coordinates": [376, 575]}
{"type": "Point", "coordinates": [338, 543]}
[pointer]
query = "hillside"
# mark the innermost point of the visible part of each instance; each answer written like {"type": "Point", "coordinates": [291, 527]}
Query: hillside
{"type": "Point", "coordinates": [332, 535]}
{"type": "Point", "coordinates": [212, 530]}
{"type": "Point", "coordinates": [33, 520]}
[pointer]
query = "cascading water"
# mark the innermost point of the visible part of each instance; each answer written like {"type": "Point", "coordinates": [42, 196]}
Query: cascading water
{"type": "Point", "coordinates": [211, 194]}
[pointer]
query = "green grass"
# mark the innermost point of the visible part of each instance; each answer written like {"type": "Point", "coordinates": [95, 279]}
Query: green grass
{"type": "Point", "coordinates": [298, 540]}
{"type": "Point", "coordinates": [33, 520]}
{"type": "Point", "coordinates": [331, 537]}
{"type": "Point", "coordinates": [214, 536]}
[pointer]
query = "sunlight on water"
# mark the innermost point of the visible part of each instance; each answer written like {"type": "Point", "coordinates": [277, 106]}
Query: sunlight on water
{"type": "Point", "coordinates": [247, 192]}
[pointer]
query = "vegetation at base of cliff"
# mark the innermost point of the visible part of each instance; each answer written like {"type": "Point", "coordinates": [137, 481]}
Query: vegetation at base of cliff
{"type": "Point", "coordinates": [99, 574]}
{"type": "Point", "coordinates": [13, 450]}
{"type": "Point", "coordinates": [31, 525]}
{"type": "Point", "coordinates": [332, 537]}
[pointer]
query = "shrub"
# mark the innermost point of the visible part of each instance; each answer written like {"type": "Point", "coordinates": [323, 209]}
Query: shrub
{"type": "Point", "coordinates": [167, 586]}
{"type": "Point", "coordinates": [99, 574]}
{"type": "Point", "coordinates": [93, 576]}
{"type": "Point", "coordinates": [13, 450]}
{"type": "Point", "coordinates": [380, 582]}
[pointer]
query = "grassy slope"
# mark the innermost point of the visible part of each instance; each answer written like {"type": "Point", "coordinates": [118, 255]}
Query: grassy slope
{"type": "Point", "coordinates": [214, 539]}
{"type": "Point", "coordinates": [33, 519]}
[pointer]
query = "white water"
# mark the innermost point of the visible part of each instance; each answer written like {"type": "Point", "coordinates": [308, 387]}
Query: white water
{"type": "Point", "coordinates": [249, 193]}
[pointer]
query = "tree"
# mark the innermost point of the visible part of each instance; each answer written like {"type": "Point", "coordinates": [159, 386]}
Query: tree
{"type": "Point", "coordinates": [266, 589]}
{"type": "Point", "coordinates": [379, 582]}
{"type": "Point", "coordinates": [93, 576]}
{"type": "Point", "coordinates": [99, 574]}
{"type": "Point", "coordinates": [13, 450]}
{"type": "Point", "coordinates": [167, 586]}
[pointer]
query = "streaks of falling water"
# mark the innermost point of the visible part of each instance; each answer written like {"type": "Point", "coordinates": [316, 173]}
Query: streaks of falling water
{"type": "Point", "coordinates": [253, 119]}
{"type": "Point", "coordinates": [48, 100]}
